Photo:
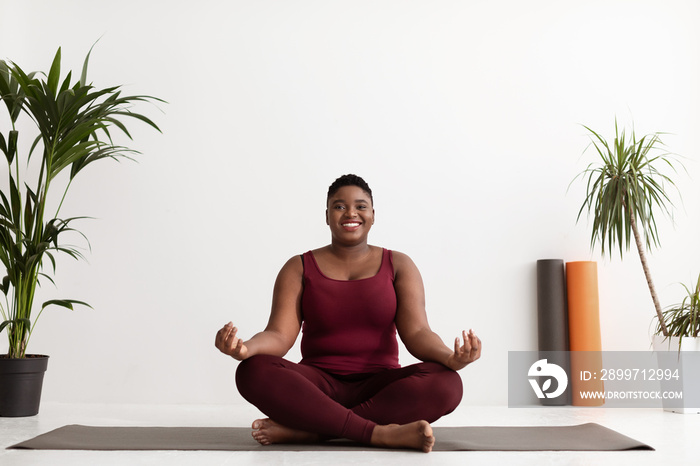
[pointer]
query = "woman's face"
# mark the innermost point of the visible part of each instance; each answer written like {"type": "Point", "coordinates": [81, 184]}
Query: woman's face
{"type": "Point", "coordinates": [350, 215]}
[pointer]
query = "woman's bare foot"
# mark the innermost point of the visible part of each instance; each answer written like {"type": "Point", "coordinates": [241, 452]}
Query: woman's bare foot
{"type": "Point", "coordinates": [267, 432]}
{"type": "Point", "coordinates": [417, 435]}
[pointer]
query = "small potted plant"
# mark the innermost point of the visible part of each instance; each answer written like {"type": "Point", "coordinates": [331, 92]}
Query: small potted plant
{"type": "Point", "coordinates": [682, 320]}
{"type": "Point", "coordinates": [624, 189]}
{"type": "Point", "coordinates": [73, 120]}
{"type": "Point", "coordinates": [683, 325]}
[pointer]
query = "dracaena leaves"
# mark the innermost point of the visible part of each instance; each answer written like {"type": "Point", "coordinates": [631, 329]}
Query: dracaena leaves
{"type": "Point", "coordinates": [626, 185]}
{"type": "Point", "coordinates": [624, 189]}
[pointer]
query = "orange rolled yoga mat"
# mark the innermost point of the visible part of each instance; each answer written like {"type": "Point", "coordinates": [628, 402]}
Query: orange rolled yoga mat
{"type": "Point", "coordinates": [584, 332]}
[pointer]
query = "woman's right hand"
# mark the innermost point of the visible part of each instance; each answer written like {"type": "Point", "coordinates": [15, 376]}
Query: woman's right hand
{"type": "Point", "coordinates": [229, 343]}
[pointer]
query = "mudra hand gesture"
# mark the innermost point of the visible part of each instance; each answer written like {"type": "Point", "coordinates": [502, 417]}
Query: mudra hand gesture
{"type": "Point", "coordinates": [465, 353]}
{"type": "Point", "coordinates": [228, 343]}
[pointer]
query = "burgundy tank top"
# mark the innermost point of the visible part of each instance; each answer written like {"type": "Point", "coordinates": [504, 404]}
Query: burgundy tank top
{"type": "Point", "coordinates": [348, 325]}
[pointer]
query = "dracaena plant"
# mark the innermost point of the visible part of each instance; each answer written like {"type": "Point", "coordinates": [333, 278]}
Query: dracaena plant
{"type": "Point", "coordinates": [624, 189]}
{"type": "Point", "coordinates": [72, 122]}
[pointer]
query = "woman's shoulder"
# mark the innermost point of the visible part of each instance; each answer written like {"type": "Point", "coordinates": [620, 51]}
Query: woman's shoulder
{"type": "Point", "coordinates": [294, 265]}
{"type": "Point", "coordinates": [401, 261]}
{"type": "Point", "coordinates": [399, 256]}
{"type": "Point", "coordinates": [318, 251]}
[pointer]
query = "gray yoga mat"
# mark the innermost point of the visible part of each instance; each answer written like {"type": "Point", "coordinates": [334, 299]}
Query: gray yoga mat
{"type": "Point", "coordinates": [584, 437]}
{"type": "Point", "coordinates": [552, 319]}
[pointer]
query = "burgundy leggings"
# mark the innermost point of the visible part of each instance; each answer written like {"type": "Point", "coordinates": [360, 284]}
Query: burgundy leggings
{"type": "Point", "coordinates": [306, 398]}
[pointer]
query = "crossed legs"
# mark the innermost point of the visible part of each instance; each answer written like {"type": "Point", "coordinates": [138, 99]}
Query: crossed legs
{"type": "Point", "coordinates": [391, 408]}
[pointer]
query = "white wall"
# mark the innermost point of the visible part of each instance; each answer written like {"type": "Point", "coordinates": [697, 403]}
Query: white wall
{"type": "Point", "coordinates": [463, 116]}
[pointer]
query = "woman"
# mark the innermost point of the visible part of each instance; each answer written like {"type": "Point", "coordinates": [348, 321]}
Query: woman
{"type": "Point", "coordinates": [350, 299]}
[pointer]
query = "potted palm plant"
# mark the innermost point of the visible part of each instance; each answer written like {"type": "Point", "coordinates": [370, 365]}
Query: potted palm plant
{"type": "Point", "coordinates": [623, 191]}
{"type": "Point", "coordinates": [73, 120]}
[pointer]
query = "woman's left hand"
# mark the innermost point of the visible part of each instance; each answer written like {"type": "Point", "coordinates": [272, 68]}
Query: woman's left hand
{"type": "Point", "coordinates": [465, 353]}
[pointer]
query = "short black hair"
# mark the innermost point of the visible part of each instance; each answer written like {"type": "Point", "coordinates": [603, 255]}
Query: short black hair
{"type": "Point", "coordinates": [349, 180]}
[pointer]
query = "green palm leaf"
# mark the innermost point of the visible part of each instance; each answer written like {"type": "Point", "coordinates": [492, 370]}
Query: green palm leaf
{"type": "Point", "coordinates": [73, 122]}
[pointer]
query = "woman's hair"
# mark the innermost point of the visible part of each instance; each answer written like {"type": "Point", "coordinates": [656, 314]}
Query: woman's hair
{"type": "Point", "coordinates": [349, 180]}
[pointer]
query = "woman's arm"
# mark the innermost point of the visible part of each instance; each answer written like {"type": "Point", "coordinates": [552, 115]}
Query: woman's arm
{"type": "Point", "coordinates": [284, 323]}
{"type": "Point", "coordinates": [412, 321]}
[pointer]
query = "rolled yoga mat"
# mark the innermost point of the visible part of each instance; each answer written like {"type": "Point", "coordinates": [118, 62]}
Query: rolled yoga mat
{"type": "Point", "coordinates": [552, 320]}
{"type": "Point", "coordinates": [584, 437]}
{"type": "Point", "coordinates": [584, 331]}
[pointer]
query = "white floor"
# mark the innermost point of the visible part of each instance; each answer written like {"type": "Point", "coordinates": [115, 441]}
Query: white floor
{"type": "Point", "coordinates": [674, 436]}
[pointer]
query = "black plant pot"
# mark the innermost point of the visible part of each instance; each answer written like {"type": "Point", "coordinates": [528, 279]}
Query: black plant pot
{"type": "Point", "coordinates": [20, 385]}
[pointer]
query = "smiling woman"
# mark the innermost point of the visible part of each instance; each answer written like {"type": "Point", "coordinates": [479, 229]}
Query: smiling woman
{"type": "Point", "coordinates": [350, 298]}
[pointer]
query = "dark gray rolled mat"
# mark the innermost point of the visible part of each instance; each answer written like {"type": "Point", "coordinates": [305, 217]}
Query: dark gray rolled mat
{"type": "Point", "coordinates": [584, 437]}
{"type": "Point", "coordinates": [552, 319]}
